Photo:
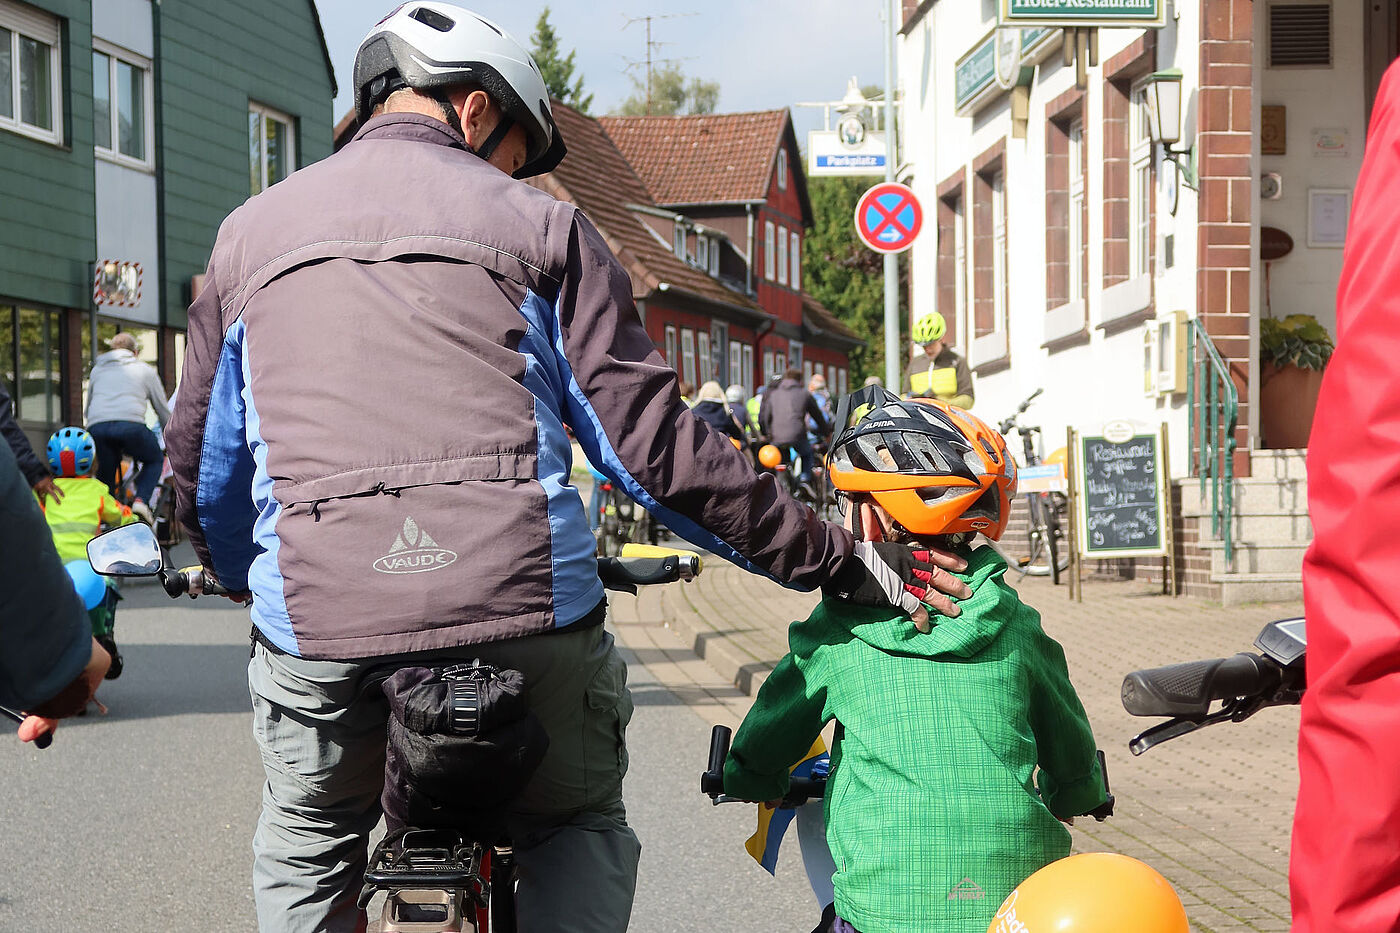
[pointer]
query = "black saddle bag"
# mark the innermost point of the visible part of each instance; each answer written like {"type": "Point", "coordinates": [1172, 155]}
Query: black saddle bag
{"type": "Point", "coordinates": [462, 744]}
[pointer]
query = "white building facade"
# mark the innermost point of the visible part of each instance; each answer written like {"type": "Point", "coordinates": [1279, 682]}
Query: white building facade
{"type": "Point", "coordinates": [1068, 253]}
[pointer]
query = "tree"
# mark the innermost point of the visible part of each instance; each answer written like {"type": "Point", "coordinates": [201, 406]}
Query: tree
{"type": "Point", "coordinates": [846, 276]}
{"type": "Point", "coordinates": [671, 94]}
{"type": "Point", "coordinates": [556, 69]}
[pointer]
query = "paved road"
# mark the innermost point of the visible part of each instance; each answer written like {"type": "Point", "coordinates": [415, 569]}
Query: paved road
{"type": "Point", "coordinates": [141, 820]}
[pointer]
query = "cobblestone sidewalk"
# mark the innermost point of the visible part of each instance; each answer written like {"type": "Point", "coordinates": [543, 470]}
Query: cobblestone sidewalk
{"type": "Point", "coordinates": [1211, 810]}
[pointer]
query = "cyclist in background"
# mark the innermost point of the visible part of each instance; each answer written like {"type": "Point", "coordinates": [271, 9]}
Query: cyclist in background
{"type": "Point", "coordinates": [407, 498]}
{"type": "Point", "coordinates": [122, 386]}
{"type": "Point", "coordinates": [782, 419]}
{"type": "Point", "coordinates": [938, 371]}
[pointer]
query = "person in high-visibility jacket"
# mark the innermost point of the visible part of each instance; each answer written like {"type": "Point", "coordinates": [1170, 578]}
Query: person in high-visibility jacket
{"type": "Point", "coordinates": [938, 372]}
{"type": "Point", "coordinates": [77, 518]}
{"type": "Point", "coordinates": [86, 502]}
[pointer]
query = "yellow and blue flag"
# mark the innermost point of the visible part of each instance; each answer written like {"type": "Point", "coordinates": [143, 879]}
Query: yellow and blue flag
{"type": "Point", "coordinates": [772, 824]}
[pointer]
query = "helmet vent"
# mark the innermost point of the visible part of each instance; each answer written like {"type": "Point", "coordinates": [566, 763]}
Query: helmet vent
{"type": "Point", "coordinates": [432, 18]}
{"type": "Point", "coordinates": [991, 451]}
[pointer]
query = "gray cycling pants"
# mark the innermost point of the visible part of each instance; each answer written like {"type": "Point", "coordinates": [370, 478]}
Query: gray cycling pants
{"type": "Point", "coordinates": [321, 730]}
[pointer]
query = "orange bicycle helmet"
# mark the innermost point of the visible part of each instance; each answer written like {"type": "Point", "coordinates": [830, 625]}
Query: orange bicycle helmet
{"type": "Point", "coordinates": [936, 469]}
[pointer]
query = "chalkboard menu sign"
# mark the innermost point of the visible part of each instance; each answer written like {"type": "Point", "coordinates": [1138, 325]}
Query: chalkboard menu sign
{"type": "Point", "coordinates": [1121, 493]}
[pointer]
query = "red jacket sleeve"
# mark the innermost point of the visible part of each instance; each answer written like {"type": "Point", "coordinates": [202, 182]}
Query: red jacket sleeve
{"type": "Point", "coordinates": [1345, 868]}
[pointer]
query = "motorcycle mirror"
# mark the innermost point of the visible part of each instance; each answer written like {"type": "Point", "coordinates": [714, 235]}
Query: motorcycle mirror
{"type": "Point", "coordinates": [129, 551]}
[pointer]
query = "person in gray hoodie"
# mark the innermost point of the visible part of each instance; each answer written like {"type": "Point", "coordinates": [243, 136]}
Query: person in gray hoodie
{"type": "Point", "coordinates": [121, 387]}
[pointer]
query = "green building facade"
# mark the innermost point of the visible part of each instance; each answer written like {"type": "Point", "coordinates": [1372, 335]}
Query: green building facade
{"type": "Point", "coordinates": [128, 131]}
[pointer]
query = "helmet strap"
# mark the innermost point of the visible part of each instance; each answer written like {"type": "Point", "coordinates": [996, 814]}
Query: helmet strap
{"type": "Point", "coordinates": [449, 113]}
{"type": "Point", "coordinates": [498, 134]}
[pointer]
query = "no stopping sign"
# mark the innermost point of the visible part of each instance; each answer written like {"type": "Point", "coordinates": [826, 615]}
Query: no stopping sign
{"type": "Point", "coordinates": [888, 217]}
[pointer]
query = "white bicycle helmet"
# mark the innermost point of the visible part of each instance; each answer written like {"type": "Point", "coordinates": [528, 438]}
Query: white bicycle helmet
{"type": "Point", "coordinates": [431, 46]}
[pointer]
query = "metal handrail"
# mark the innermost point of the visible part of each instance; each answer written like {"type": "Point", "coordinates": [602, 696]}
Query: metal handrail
{"type": "Point", "coordinates": [1214, 413]}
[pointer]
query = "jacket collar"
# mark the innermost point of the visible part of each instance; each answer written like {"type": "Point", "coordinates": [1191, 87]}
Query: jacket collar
{"type": "Point", "coordinates": [415, 127]}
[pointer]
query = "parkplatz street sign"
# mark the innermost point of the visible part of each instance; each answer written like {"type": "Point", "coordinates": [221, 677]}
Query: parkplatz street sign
{"type": "Point", "coordinates": [888, 217]}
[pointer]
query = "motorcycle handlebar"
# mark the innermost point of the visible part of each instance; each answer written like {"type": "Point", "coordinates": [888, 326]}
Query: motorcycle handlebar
{"type": "Point", "coordinates": [1188, 689]}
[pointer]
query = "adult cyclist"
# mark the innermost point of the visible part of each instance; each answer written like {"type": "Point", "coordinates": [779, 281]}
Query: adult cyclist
{"type": "Point", "coordinates": [938, 371]}
{"type": "Point", "coordinates": [406, 497]}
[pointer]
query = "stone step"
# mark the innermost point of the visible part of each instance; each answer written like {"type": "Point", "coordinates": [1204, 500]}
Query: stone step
{"type": "Point", "coordinates": [1250, 557]}
{"type": "Point", "coordinates": [1252, 497]}
{"type": "Point", "coordinates": [1279, 464]}
{"type": "Point", "coordinates": [1237, 589]}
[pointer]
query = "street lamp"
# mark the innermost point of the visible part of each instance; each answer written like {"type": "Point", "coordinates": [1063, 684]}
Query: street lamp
{"type": "Point", "coordinates": [1163, 90]}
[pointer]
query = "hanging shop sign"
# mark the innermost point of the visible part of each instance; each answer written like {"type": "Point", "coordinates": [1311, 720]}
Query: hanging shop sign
{"type": "Point", "coordinates": [1004, 59]}
{"type": "Point", "coordinates": [1072, 14]}
{"type": "Point", "coordinates": [850, 149]}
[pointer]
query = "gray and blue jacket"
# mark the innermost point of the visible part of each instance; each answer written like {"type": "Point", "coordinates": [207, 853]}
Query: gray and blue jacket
{"type": "Point", "coordinates": [371, 433]}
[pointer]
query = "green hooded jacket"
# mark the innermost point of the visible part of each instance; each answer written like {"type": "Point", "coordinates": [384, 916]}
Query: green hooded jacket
{"type": "Point", "coordinates": [934, 807]}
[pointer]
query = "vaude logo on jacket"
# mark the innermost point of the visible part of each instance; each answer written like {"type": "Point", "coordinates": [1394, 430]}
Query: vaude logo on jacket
{"type": "Point", "coordinates": [967, 890]}
{"type": "Point", "coordinates": [414, 551]}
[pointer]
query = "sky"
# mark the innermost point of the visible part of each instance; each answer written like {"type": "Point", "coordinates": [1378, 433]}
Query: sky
{"type": "Point", "coordinates": [765, 54]}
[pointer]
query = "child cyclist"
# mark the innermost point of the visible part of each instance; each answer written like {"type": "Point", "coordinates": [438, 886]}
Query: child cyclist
{"type": "Point", "coordinates": [934, 807]}
{"type": "Point", "coordinates": [76, 519]}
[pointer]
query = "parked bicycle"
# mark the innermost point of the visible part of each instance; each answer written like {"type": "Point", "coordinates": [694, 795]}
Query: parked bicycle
{"type": "Point", "coordinates": [1047, 552]}
{"type": "Point", "coordinates": [435, 880]}
{"type": "Point", "coordinates": [622, 522]}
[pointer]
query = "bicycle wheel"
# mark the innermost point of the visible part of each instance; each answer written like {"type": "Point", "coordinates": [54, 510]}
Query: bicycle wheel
{"type": "Point", "coordinates": [1035, 560]}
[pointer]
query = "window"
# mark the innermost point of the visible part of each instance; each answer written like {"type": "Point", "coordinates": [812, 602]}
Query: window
{"type": "Point", "coordinates": [767, 366]}
{"type": "Point", "coordinates": [841, 382]}
{"type": "Point", "coordinates": [688, 356]}
{"type": "Point", "coordinates": [794, 354]}
{"type": "Point", "coordinates": [806, 372]}
{"type": "Point", "coordinates": [705, 362]}
{"type": "Point", "coordinates": [795, 262]}
{"type": "Point", "coordinates": [782, 169]}
{"type": "Point", "coordinates": [747, 369]}
{"type": "Point", "coordinates": [271, 147]}
{"type": "Point", "coordinates": [702, 251]}
{"type": "Point", "coordinates": [1078, 242]}
{"type": "Point", "coordinates": [30, 88]}
{"type": "Point", "coordinates": [671, 345]}
{"type": "Point", "coordinates": [779, 364]}
{"type": "Point", "coordinates": [1140, 177]}
{"type": "Point", "coordinates": [719, 339]}
{"type": "Point", "coordinates": [678, 240]}
{"type": "Point", "coordinates": [769, 263]}
{"type": "Point", "coordinates": [121, 105]}
{"type": "Point", "coordinates": [999, 251]}
{"type": "Point", "coordinates": [782, 255]}
{"type": "Point", "coordinates": [29, 364]}
{"type": "Point", "coordinates": [960, 266]}
{"type": "Point", "coordinates": [714, 258]}
{"type": "Point", "coordinates": [736, 363]}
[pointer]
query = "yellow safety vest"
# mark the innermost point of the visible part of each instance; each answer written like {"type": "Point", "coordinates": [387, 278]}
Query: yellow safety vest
{"type": "Point", "coordinates": [76, 520]}
{"type": "Point", "coordinates": [941, 382]}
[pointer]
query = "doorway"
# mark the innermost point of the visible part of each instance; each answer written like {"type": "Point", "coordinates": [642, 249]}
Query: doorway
{"type": "Point", "coordinates": [1382, 44]}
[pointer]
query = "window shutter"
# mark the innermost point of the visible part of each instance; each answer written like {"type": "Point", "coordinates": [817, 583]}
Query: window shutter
{"type": "Point", "coordinates": [31, 22]}
{"type": "Point", "coordinates": [1300, 34]}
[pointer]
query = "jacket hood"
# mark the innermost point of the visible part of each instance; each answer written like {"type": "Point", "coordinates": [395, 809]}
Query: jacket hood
{"type": "Point", "coordinates": [983, 615]}
{"type": "Point", "coordinates": [114, 356]}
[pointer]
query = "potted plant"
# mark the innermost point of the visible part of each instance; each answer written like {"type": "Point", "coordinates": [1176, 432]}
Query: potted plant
{"type": "Point", "coordinates": [1294, 350]}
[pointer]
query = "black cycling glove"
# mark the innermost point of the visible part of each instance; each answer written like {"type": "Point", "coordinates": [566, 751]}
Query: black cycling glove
{"type": "Point", "coordinates": [880, 573]}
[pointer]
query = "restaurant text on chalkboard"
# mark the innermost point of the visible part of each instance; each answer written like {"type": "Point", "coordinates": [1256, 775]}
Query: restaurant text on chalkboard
{"type": "Point", "coordinates": [1122, 495]}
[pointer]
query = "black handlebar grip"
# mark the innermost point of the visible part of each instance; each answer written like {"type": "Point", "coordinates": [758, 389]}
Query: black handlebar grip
{"type": "Point", "coordinates": [212, 587]}
{"type": "Point", "coordinates": [1188, 689]}
{"type": "Point", "coordinates": [712, 781]}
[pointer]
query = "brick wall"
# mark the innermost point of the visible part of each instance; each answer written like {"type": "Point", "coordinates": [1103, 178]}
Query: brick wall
{"type": "Point", "coordinates": [1224, 140]}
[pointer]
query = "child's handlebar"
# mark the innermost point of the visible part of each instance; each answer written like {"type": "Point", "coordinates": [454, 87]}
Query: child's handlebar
{"type": "Point", "coordinates": [800, 790]}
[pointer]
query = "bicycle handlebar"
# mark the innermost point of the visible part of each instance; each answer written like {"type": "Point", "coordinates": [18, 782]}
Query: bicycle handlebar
{"type": "Point", "coordinates": [800, 790]}
{"type": "Point", "coordinates": [44, 740]}
{"type": "Point", "coordinates": [1188, 689]}
{"type": "Point", "coordinates": [1008, 423]}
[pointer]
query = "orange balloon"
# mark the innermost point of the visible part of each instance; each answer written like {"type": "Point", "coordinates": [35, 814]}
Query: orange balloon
{"type": "Point", "coordinates": [735, 442]}
{"type": "Point", "coordinates": [1096, 892]}
{"type": "Point", "coordinates": [770, 456]}
{"type": "Point", "coordinates": [1060, 455]}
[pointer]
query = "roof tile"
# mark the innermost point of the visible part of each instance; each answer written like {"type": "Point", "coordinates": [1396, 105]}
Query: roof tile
{"type": "Point", "coordinates": [701, 158]}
